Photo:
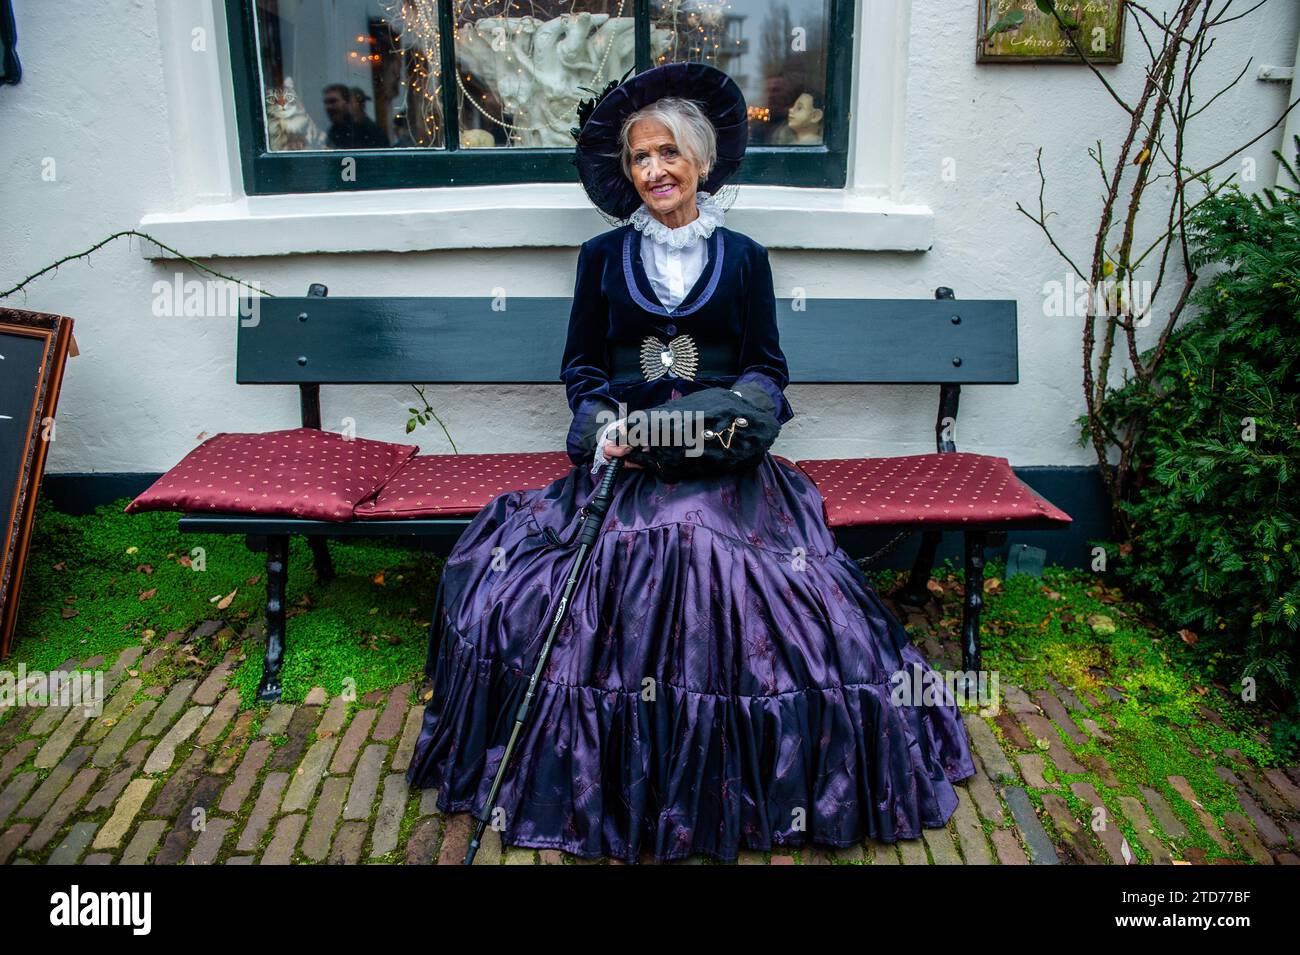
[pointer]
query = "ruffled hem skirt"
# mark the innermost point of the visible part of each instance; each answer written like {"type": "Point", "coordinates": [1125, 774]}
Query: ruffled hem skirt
{"type": "Point", "coordinates": [726, 678]}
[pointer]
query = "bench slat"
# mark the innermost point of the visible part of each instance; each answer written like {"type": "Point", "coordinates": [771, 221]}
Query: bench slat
{"type": "Point", "coordinates": [463, 340]}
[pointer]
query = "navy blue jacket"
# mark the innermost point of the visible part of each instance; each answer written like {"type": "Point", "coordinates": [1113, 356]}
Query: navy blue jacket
{"type": "Point", "coordinates": [732, 304]}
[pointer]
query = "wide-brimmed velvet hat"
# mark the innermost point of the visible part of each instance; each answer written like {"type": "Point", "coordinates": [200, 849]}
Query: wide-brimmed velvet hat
{"type": "Point", "coordinates": [600, 120]}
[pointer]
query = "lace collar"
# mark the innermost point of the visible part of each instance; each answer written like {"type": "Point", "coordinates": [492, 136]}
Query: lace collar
{"type": "Point", "coordinates": [702, 226]}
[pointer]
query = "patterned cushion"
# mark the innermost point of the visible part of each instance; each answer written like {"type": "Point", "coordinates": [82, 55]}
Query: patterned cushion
{"type": "Point", "coordinates": [302, 472]}
{"type": "Point", "coordinates": [926, 489]}
{"type": "Point", "coordinates": [459, 485]}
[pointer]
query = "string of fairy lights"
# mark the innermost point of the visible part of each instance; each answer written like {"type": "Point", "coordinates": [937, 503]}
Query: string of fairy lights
{"type": "Point", "coordinates": [698, 34]}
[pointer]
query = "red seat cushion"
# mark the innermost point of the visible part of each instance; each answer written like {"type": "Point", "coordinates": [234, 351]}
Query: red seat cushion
{"type": "Point", "coordinates": [458, 485]}
{"type": "Point", "coordinates": [302, 472]}
{"type": "Point", "coordinates": [926, 489]}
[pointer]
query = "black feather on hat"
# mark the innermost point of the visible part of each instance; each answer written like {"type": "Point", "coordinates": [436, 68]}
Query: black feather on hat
{"type": "Point", "coordinates": [585, 106]}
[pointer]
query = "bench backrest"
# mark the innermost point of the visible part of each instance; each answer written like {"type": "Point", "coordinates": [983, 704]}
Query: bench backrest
{"type": "Point", "coordinates": [316, 340]}
{"type": "Point", "coordinates": [321, 340]}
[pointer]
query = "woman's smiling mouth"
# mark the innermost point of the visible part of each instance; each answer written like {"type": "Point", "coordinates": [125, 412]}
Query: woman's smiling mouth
{"type": "Point", "coordinates": [662, 190]}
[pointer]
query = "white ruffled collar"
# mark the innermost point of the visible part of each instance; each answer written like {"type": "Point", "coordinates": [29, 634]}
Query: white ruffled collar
{"type": "Point", "coordinates": [702, 226]}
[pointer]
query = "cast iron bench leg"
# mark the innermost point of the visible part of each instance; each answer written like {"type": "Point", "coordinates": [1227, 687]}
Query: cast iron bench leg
{"type": "Point", "coordinates": [277, 577]}
{"type": "Point", "coordinates": [320, 555]}
{"type": "Point", "coordinates": [974, 602]}
{"type": "Point", "coordinates": [914, 592]}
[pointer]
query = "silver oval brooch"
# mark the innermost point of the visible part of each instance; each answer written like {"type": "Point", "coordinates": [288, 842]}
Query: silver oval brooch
{"type": "Point", "coordinates": [677, 355]}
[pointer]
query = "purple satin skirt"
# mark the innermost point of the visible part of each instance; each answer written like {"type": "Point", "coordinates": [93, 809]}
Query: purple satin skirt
{"type": "Point", "coordinates": [722, 680]}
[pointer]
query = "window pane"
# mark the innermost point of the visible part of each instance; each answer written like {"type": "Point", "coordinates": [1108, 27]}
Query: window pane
{"type": "Point", "coordinates": [349, 74]}
{"type": "Point", "coordinates": [525, 64]}
{"type": "Point", "coordinates": [366, 74]}
{"type": "Point", "coordinates": [774, 50]}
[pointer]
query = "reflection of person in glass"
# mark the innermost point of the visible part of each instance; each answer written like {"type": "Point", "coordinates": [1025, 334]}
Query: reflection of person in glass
{"type": "Point", "coordinates": [709, 692]}
{"type": "Point", "coordinates": [350, 127]}
{"type": "Point", "coordinates": [778, 96]}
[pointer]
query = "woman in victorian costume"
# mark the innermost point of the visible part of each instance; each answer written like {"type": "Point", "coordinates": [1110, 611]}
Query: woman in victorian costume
{"type": "Point", "coordinates": [724, 677]}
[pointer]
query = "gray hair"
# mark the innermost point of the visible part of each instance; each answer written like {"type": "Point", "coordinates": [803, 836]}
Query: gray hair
{"type": "Point", "coordinates": [696, 137]}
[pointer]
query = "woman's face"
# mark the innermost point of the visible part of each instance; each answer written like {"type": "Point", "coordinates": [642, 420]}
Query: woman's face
{"type": "Point", "coordinates": [665, 179]}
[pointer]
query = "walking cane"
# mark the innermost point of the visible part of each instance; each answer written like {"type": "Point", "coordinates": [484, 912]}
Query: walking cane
{"type": "Point", "coordinates": [593, 517]}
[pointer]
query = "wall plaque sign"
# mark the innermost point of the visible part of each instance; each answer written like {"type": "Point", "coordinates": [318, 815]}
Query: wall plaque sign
{"type": "Point", "coordinates": [1020, 31]}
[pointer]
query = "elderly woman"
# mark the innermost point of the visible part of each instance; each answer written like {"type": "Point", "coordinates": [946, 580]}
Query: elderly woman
{"type": "Point", "coordinates": [723, 680]}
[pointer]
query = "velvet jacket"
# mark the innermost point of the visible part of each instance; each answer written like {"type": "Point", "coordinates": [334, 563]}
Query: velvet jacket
{"type": "Point", "coordinates": [732, 304]}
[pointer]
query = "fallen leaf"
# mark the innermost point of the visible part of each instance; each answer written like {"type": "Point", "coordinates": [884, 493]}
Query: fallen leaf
{"type": "Point", "coordinates": [132, 549]}
{"type": "Point", "coordinates": [148, 634]}
{"type": "Point", "coordinates": [69, 613]}
{"type": "Point", "coordinates": [224, 602]}
{"type": "Point", "coordinates": [934, 587]}
{"type": "Point", "coordinates": [252, 581]}
{"type": "Point", "coordinates": [378, 579]}
{"type": "Point", "coordinates": [146, 594]}
{"type": "Point", "coordinates": [1101, 623]}
{"type": "Point", "coordinates": [1188, 636]}
{"type": "Point", "coordinates": [993, 586]}
{"type": "Point", "coordinates": [59, 565]}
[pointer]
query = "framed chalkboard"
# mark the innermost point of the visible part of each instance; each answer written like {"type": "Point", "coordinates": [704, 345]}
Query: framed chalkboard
{"type": "Point", "coordinates": [33, 351]}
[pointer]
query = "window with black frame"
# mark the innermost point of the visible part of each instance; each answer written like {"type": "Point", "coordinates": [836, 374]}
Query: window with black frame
{"type": "Point", "coordinates": [426, 92]}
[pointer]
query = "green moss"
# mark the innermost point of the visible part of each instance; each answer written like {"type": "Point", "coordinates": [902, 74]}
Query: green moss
{"type": "Point", "coordinates": [1035, 629]}
{"type": "Point", "coordinates": [126, 577]}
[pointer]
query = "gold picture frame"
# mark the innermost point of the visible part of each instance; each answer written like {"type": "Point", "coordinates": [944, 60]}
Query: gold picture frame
{"type": "Point", "coordinates": [1039, 39]}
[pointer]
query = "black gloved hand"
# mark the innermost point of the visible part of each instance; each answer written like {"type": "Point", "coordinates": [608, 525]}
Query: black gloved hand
{"type": "Point", "coordinates": [714, 431]}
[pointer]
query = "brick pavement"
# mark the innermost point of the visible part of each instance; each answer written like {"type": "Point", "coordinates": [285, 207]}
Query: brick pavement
{"type": "Point", "coordinates": [323, 782]}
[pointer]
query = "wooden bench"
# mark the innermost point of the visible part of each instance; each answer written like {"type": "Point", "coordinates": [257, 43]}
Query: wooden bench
{"type": "Point", "coordinates": [318, 340]}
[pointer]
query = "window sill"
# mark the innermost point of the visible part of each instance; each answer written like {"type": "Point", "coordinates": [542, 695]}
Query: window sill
{"type": "Point", "coordinates": [507, 216]}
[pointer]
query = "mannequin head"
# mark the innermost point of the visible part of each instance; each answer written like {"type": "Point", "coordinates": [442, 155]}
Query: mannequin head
{"type": "Point", "coordinates": [806, 116]}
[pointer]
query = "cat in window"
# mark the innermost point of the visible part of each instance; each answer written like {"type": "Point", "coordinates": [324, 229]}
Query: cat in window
{"type": "Point", "coordinates": [288, 124]}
